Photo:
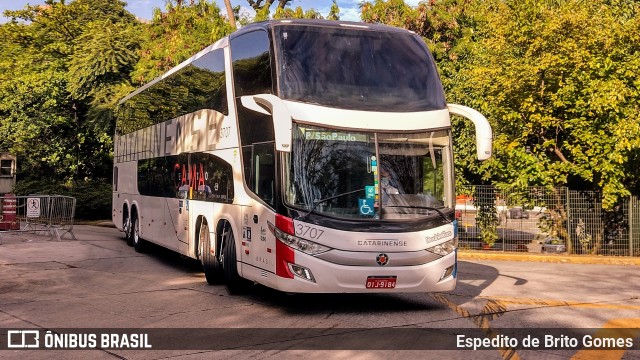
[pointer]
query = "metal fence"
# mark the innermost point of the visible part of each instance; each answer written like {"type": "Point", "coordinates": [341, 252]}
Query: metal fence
{"type": "Point", "coordinates": [555, 220]}
{"type": "Point", "coordinates": [52, 215]}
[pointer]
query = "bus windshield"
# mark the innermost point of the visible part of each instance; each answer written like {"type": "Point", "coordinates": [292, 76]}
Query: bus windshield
{"type": "Point", "coordinates": [358, 70]}
{"type": "Point", "coordinates": [369, 175]}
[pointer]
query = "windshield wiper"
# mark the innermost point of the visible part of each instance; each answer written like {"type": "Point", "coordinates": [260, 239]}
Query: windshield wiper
{"type": "Point", "coordinates": [421, 207]}
{"type": "Point", "coordinates": [320, 201]}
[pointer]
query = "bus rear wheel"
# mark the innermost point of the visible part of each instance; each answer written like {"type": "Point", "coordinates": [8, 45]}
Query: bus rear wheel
{"type": "Point", "coordinates": [126, 227]}
{"type": "Point", "coordinates": [212, 267]}
{"type": "Point", "coordinates": [138, 243]}
{"type": "Point", "coordinates": [235, 283]}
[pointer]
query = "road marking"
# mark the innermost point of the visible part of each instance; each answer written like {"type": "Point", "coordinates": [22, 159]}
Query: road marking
{"type": "Point", "coordinates": [492, 310]}
{"type": "Point", "coordinates": [618, 328]}
{"type": "Point", "coordinates": [550, 302]}
{"type": "Point", "coordinates": [495, 307]}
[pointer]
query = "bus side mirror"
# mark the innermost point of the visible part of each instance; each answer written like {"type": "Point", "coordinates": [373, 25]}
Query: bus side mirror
{"type": "Point", "coordinates": [484, 135]}
{"type": "Point", "coordinates": [275, 107]}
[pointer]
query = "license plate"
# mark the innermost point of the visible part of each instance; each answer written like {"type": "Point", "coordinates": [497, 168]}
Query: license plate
{"type": "Point", "coordinates": [381, 282]}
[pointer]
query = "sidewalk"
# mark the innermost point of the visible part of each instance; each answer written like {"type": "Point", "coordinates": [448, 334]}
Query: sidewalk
{"type": "Point", "coordinates": [551, 258]}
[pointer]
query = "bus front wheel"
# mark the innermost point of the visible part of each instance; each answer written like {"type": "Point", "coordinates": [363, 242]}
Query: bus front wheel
{"type": "Point", "coordinates": [235, 283]}
{"type": "Point", "coordinates": [212, 267]}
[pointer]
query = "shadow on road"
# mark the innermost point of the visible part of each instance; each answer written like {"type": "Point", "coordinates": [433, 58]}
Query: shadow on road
{"type": "Point", "coordinates": [473, 278]}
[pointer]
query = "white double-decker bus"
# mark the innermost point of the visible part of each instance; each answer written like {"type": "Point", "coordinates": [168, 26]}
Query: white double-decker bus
{"type": "Point", "coordinates": [307, 156]}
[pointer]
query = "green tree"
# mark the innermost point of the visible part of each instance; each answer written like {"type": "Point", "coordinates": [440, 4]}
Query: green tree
{"type": "Point", "coordinates": [175, 35]}
{"type": "Point", "coordinates": [262, 8]}
{"type": "Point", "coordinates": [558, 80]}
{"type": "Point", "coordinates": [563, 93]}
{"type": "Point", "coordinates": [99, 71]}
{"type": "Point", "coordinates": [298, 13]}
{"type": "Point", "coordinates": [50, 84]}
{"type": "Point", "coordinates": [334, 12]}
{"type": "Point", "coordinates": [258, 5]}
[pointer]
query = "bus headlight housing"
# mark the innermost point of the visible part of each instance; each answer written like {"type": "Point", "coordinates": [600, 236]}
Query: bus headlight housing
{"type": "Point", "coordinates": [444, 248]}
{"type": "Point", "coordinates": [304, 245]}
{"type": "Point", "coordinates": [294, 242]}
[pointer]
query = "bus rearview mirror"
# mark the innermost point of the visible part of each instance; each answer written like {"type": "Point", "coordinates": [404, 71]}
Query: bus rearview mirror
{"type": "Point", "coordinates": [484, 134]}
{"type": "Point", "coordinates": [272, 105]}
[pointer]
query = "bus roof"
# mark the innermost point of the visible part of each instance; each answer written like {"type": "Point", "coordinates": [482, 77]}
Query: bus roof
{"type": "Point", "coordinates": [267, 26]}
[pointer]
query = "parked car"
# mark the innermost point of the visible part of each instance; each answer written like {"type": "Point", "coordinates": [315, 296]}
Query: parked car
{"type": "Point", "coordinates": [551, 245]}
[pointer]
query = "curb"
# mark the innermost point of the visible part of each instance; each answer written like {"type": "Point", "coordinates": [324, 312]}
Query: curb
{"type": "Point", "coordinates": [104, 223]}
{"type": "Point", "coordinates": [108, 224]}
{"type": "Point", "coordinates": [550, 258]}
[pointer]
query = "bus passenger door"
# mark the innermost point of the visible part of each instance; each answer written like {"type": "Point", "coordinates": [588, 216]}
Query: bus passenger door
{"type": "Point", "coordinates": [178, 207]}
{"type": "Point", "coordinates": [259, 247]}
{"type": "Point", "coordinates": [182, 223]}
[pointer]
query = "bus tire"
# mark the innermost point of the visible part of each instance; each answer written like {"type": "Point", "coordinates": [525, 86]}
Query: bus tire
{"type": "Point", "coordinates": [126, 227]}
{"type": "Point", "coordinates": [235, 283]}
{"type": "Point", "coordinates": [212, 267]}
{"type": "Point", "coordinates": [138, 243]}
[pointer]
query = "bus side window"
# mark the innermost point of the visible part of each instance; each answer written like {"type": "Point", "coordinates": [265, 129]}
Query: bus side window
{"type": "Point", "coordinates": [251, 56]}
{"type": "Point", "coordinates": [259, 169]}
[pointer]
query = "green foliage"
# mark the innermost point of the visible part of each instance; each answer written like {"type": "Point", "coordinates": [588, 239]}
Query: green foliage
{"type": "Point", "coordinates": [262, 8]}
{"type": "Point", "coordinates": [564, 86]}
{"type": "Point", "coordinates": [298, 13]}
{"type": "Point", "coordinates": [392, 12]}
{"type": "Point", "coordinates": [558, 80]}
{"type": "Point", "coordinates": [334, 12]}
{"type": "Point", "coordinates": [61, 67]}
{"type": "Point", "coordinates": [60, 64]}
{"type": "Point", "coordinates": [175, 35]}
{"type": "Point", "coordinates": [487, 219]}
{"type": "Point", "coordinates": [283, 12]}
{"type": "Point", "coordinates": [99, 70]}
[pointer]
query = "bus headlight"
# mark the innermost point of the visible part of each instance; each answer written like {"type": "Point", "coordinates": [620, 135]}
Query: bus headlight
{"type": "Point", "coordinates": [444, 248]}
{"type": "Point", "coordinates": [304, 245]}
{"type": "Point", "coordinates": [294, 242]}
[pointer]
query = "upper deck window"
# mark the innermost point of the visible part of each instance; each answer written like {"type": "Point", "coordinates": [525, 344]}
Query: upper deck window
{"type": "Point", "coordinates": [199, 85]}
{"type": "Point", "coordinates": [357, 69]}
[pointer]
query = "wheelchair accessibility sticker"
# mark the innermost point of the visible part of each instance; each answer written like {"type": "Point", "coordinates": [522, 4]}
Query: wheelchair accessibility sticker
{"type": "Point", "coordinates": [366, 206]}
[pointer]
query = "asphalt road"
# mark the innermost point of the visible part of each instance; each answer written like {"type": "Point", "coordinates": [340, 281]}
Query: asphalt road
{"type": "Point", "coordinates": [98, 282]}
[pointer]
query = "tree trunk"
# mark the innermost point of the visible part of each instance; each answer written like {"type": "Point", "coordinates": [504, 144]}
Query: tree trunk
{"type": "Point", "coordinates": [232, 18]}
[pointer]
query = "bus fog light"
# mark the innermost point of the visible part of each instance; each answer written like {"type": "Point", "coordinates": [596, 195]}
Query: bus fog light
{"type": "Point", "coordinates": [301, 271]}
{"type": "Point", "coordinates": [447, 272]}
{"type": "Point", "coordinates": [444, 248]}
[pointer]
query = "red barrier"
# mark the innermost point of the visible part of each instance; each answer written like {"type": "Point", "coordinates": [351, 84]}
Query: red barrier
{"type": "Point", "coordinates": [8, 218]}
